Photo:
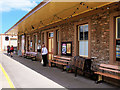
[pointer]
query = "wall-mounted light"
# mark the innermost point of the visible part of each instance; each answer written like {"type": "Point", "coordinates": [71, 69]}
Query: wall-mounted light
{"type": "Point", "coordinates": [108, 7]}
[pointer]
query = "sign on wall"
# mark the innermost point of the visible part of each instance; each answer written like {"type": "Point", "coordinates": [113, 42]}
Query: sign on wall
{"type": "Point", "coordinates": [7, 38]}
{"type": "Point", "coordinates": [117, 50]}
{"type": "Point", "coordinates": [66, 48]}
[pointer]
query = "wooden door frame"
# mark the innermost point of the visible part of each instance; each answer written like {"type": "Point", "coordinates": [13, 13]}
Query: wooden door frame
{"type": "Point", "coordinates": [112, 38]}
{"type": "Point", "coordinates": [51, 40]}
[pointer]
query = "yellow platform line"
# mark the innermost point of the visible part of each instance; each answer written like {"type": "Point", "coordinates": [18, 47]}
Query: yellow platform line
{"type": "Point", "coordinates": [7, 77]}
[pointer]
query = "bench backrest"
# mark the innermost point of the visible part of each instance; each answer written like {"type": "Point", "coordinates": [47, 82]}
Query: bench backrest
{"type": "Point", "coordinates": [111, 68]}
{"type": "Point", "coordinates": [60, 57]}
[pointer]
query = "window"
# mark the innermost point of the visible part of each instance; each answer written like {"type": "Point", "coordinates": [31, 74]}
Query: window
{"type": "Point", "coordinates": [118, 39]}
{"type": "Point", "coordinates": [83, 40]}
{"type": "Point", "coordinates": [51, 34]}
{"type": "Point", "coordinates": [118, 28]}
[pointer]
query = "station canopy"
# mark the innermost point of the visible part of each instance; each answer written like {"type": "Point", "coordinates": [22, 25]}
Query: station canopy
{"type": "Point", "coordinates": [51, 11]}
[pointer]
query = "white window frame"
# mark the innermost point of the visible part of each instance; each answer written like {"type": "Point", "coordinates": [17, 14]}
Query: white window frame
{"type": "Point", "coordinates": [83, 39]}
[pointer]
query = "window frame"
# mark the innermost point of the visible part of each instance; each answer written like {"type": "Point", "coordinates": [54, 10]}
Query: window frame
{"type": "Point", "coordinates": [112, 38]}
{"type": "Point", "coordinates": [83, 32]}
{"type": "Point", "coordinates": [49, 34]}
{"type": "Point", "coordinates": [83, 38]}
{"type": "Point", "coordinates": [116, 35]}
{"type": "Point", "coordinates": [117, 28]}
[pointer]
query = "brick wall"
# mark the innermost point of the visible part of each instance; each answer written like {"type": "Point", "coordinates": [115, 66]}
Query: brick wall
{"type": "Point", "coordinates": [100, 38]}
{"type": "Point", "coordinates": [100, 35]}
{"type": "Point", "coordinates": [67, 34]}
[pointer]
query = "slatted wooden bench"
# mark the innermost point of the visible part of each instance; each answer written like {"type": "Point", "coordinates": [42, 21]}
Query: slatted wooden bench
{"type": "Point", "coordinates": [60, 60]}
{"type": "Point", "coordinates": [31, 55]}
{"type": "Point", "coordinates": [111, 71]}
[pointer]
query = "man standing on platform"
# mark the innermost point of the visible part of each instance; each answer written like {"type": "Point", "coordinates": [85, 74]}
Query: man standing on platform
{"type": "Point", "coordinates": [44, 55]}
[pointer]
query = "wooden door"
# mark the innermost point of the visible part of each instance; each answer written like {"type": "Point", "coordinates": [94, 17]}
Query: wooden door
{"type": "Point", "coordinates": [50, 45]}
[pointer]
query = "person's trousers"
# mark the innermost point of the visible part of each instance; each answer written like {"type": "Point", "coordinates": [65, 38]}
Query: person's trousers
{"type": "Point", "coordinates": [45, 60]}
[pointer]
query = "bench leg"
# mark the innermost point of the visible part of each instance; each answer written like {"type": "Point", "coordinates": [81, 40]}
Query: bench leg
{"type": "Point", "coordinates": [24, 56]}
{"type": "Point", "coordinates": [35, 58]}
{"type": "Point", "coordinates": [100, 79]}
{"type": "Point", "coordinates": [76, 71]}
{"type": "Point", "coordinates": [63, 68]}
{"type": "Point", "coordinates": [51, 64]}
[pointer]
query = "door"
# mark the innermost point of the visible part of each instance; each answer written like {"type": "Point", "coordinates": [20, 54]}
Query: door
{"type": "Point", "coordinates": [50, 45]}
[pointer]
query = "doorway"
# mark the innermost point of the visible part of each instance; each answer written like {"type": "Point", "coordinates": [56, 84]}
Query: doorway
{"type": "Point", "coordinates": [50, 45]}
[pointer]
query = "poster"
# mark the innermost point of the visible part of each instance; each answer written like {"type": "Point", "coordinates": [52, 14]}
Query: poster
{"type": "Point", "coordinates": [66, 48]}
{"type": "Point", "coordinates": [63, 48]}
{"type": "Point", "coordinates": [69, 48]}
{"type": "Point", "coordinates": [117, 50]}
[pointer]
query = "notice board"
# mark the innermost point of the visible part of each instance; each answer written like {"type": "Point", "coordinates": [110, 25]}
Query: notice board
{"type": "Point", "coordinates": [117, 50]}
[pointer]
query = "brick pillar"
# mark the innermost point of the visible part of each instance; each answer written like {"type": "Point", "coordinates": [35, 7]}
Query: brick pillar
{"type": "Point", "coordinates": [54, 43]}
{"type": "Point", "coordinates": [76, 48]}
{"type": "Point", "coordinates": [18, 43]}
{"type": "Point", "coordinates": [25, 43]}
{"type": "Point", "coordinates": [33, 43]}
{"type": "Point", "coordinates": [42, 38]}
{"type": "Point", "coordinates": [45, 38]}
{"type": "Point", "coordinates": [60, 42]}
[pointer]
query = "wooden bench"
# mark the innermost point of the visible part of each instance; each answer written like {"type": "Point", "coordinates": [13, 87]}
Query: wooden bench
{"type": "Point", "coordinates": [82, 64]}
{"type": "Point", "coordinates": [31, 55]}
{"type": "Point", "coordinates": [107, 70]}
{"type": "Point", "coordinates": [60, 60]}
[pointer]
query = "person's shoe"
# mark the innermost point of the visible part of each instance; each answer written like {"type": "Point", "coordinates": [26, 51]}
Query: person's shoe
{"type": "Point", "coordinates": [44, 65]}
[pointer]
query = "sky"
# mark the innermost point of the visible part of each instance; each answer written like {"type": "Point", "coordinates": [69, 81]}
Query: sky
{"type": "Point", "coordinates": [11, 11]}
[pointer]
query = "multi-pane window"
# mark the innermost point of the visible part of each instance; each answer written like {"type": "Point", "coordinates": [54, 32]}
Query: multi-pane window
{"type": "Point", "coordinates": [83, 40]}
{"type": "Point", "coordinates": [118, 39]}
{"type": "Point", "coordinates": [118, 28]}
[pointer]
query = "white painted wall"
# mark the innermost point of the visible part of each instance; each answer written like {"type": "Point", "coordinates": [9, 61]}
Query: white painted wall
{"type": "Point", "coordinates": [4, 43]}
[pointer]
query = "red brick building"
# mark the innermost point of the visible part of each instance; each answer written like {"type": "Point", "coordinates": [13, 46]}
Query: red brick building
{"type": "Point", "coordinates": [91, 29]}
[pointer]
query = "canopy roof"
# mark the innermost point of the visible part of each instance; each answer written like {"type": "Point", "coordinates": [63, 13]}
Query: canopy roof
{"type": "Point", "coordinates": [49, 12]}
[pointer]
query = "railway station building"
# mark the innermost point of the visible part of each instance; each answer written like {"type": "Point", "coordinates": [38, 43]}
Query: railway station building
{"type": "Point", "coordinates": [86, 29]}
